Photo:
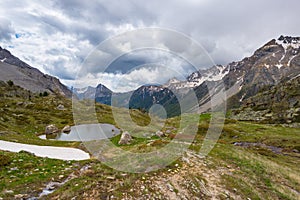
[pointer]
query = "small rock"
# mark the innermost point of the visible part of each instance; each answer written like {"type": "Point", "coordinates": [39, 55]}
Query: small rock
{"type": "Point", "coordinates": [60, 107]}
{"type": "Point", "coordinates": [61, 176]}
{"type": "Point", "coordinates": [110, 178]}
{"type": "Point", "coordinates": [295, 151]}
{"type": "Point", "coordinates": [170, 187]}
{"type": "Point", "coordinates": [9, 191]}
{"type": "Point", "coordinates": [159, 134]}
{"type": "Point", "coordinates": [66, 129]}
{"type": "Point", "coordinates": [20, 103]}
{"type": "Point", "coordinates": [53, 185]}
{"type": "Point", "coordinates": [20, 196]}
{"type": "Point", "coordinates": [14, 169]}
{"type": "Point", "coordinates": [227, 193]}
{"type": "Point", "coordinates": [125, 138]}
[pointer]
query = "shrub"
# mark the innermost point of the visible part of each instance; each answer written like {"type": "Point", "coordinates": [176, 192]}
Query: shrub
{"type": "Point", "coordinates": [4, 160]}
{"type": "Point", "coordinates": [10, 83]}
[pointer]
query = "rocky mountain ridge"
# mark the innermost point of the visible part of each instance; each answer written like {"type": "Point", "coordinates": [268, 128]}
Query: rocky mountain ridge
{"type": "Point", "coordinates": [22, 74]}
{"type": "Point", "coordinates": [274, 61]}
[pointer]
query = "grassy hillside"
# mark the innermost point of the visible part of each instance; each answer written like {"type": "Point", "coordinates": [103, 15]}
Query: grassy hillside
{"type": "Point", "coordinates": [254, 161]}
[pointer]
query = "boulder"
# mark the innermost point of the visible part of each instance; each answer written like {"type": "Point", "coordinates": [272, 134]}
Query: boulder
{"type": "Point", "coordinates": [60, 107]}
{"type": "Point", "coordinates": [66, 129]}
{"type": "Point", "coordinates": [51, 130]}
{"type": "Point", "coordinates": [125, 138]}
{"type": "Point", "coordinates": [159, 134]}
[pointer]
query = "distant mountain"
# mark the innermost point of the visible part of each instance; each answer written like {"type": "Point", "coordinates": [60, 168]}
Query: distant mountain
{"type": "Point", "coordinates": [14, 69]}
{"type": "Point", "coordinates": [100, 93]}
{"type": "Point", "coordinates": [269, 65]}
{"type": "Point", "coordinates": [146, 96]}
{"type": "Point", "coordinates": [276, 60]}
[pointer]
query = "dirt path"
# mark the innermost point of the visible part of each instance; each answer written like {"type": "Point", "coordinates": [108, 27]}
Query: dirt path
{"type": "Point", "coordinates": [195, 179]}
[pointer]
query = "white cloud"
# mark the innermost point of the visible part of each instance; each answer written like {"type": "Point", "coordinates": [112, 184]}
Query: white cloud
{"type": "Point", "coordinates": [56, 36]}
{"type": "Point", "coordinates": [147, 74]}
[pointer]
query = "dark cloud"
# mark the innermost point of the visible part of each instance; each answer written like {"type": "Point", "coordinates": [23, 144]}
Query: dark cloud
{"type": "Point", "coordinates": [70, 29]}
{"type": "Point", "coordinates": [6, 29]}
{"type": "Point", "coordinates": [232, 28]}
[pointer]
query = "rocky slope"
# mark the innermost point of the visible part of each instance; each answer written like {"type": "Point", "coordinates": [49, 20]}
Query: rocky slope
{"type": "Point", "coordinates": [12, 68]}
{"type": "Point", "coordinates": [275, 104]}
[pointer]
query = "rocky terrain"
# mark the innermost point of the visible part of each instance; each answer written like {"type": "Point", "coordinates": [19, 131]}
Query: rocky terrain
{"type": "Point", "coordinates": [250, 160]}
{"type": "Point", "coordinates": [12, 68]}
{"type": "Point", "coordinates": [274, 104]}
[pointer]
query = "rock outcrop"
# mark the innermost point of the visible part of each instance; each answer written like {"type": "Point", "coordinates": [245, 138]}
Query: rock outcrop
{"type": "Point", "coordinates": [125, 138]}
{"type": "Point", "coordinates": [277, 104]}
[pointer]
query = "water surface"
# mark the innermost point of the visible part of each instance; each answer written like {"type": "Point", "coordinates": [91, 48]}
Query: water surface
{"type": "Point", "coordinates": [87, 132]}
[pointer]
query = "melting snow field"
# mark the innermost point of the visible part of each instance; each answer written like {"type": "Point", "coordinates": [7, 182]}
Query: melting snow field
{"type": "Point", "coordinates": [61, 153]}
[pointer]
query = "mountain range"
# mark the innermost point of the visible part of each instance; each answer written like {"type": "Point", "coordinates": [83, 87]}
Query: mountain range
{"type": "Point", "coordinates": [275, 62]}
{"type": "Point", "coordinates": [269, 69]}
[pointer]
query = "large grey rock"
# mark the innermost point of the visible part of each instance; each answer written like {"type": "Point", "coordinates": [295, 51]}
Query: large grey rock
{"type": "Point", "coordinates": [125, 138]}
{"type": "Point", "coordinates": [51, 130]}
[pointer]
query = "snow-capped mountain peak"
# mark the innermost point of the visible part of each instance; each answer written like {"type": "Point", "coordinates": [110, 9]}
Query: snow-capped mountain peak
{"type": "Point", "coordinates": [287, 41]}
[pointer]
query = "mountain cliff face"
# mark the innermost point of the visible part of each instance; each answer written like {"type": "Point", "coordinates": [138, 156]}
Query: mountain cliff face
{"type": "Point", "coordinates": [268, 66]}
{"type": "Point", "coordinates": [271, 63]}
{"type": "Point", "coordinates": [12, 68]}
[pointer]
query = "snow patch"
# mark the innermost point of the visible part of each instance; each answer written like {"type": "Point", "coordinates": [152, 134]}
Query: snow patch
{"type": "Point", "coordinates": [61, 153]}
{"type": "Point", "coordinates": [81, 90]}
{"type": "Point", "coordinates": [243, 96]}
{"type": "Point", "coordinates": [239, 81]}
{"type": "Point", "coordinates": [216, 73]}
{"type": "Point", "coordinates": [279, 66]}
{"type": "Point", "coordinates": [3, 60]}
{"type": "Point", "coordinates": [289, 63]}
{"type": "Point", "coordinates": [267, 66]}
{"type": "Point", "coordinates": [295, 44]}
{"type": "Point", "coordinates": [294, 77]}
{"type": "Point", "coordinates": [281, 59]}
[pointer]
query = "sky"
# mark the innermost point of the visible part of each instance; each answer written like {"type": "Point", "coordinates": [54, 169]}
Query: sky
{"type": "Point", "coordinates": [63, 37]}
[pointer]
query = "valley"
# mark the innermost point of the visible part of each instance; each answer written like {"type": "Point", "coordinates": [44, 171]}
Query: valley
{"type": "Point", "coordinates": [256, 156]}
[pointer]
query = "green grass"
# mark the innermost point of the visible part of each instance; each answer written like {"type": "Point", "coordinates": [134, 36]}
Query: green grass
{"type": "Point", "coordinates": [258, 173]}
{"type": "Point", "coordinates": [24, 173]}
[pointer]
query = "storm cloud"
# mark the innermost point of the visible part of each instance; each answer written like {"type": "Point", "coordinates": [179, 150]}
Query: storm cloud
{"type": "Point", "coordinates": [57, 36]}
